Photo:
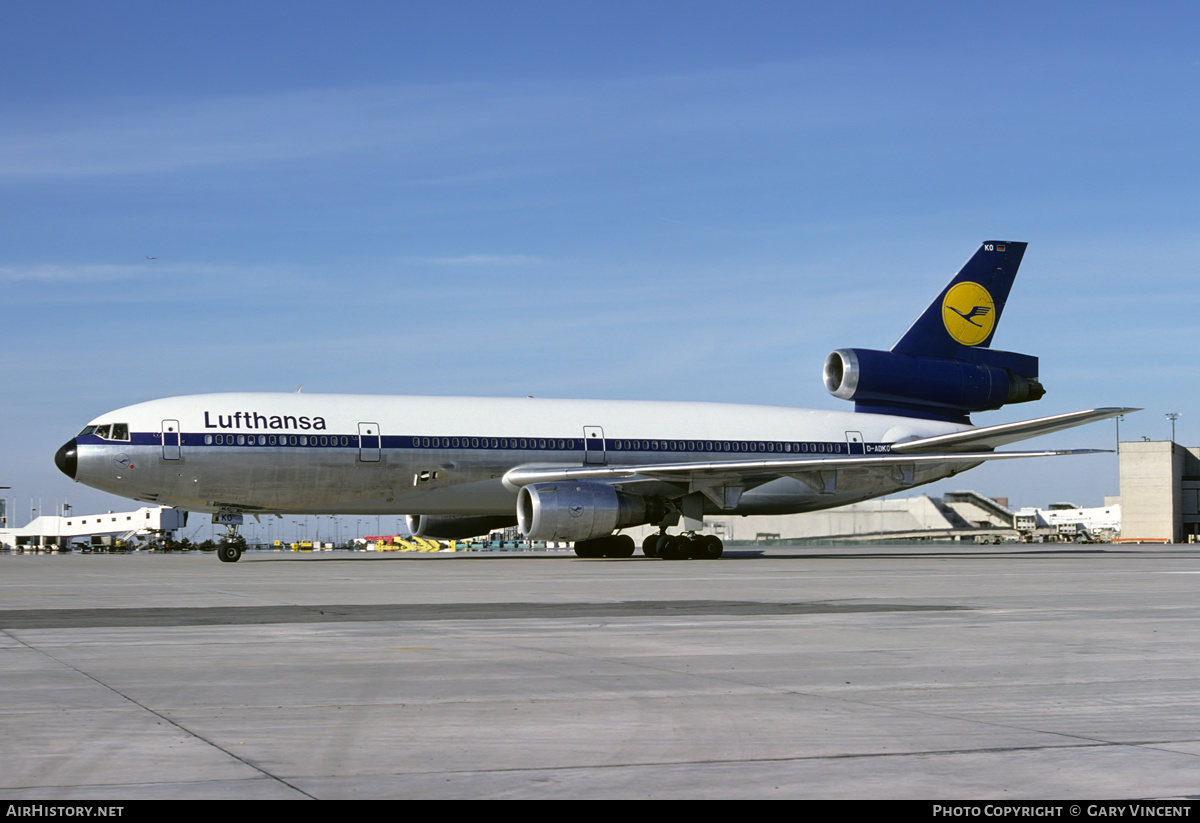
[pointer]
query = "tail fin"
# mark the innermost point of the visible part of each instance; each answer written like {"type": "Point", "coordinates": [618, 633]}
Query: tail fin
{"type": "Point", "coordinates": [942, 367]}
{"type": "Point", "coordinates": [968, 310]}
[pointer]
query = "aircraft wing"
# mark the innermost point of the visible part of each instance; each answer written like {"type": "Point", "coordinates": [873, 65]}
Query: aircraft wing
{"type": "Point", "coordinates": [760, 470]}
{"type": "Point", "coordinates": [724, 482]}
{"type": "Point", "coordinates": [989, 437]}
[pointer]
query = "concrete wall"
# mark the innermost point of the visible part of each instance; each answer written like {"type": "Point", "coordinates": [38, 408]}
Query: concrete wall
{"type": "Point", "coordinates": [1160, 491]}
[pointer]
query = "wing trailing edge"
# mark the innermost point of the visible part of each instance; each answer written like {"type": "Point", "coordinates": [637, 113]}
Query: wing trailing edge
{"type": "Point", "coordinates": [989, 437]}
{"type": "Point", "coordinates": [759, 471]}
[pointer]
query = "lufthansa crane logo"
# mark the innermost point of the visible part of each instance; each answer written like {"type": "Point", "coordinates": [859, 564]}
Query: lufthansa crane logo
{"type": "Point", "coordinates": [969, 313]}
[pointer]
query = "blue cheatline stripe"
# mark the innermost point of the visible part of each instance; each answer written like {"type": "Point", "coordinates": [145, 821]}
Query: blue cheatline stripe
{"type": "Point", "coordinates": [410, 442]}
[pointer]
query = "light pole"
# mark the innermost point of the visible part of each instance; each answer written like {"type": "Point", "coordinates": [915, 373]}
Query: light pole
{"type": "Point", "coordinates": [1173, 416]}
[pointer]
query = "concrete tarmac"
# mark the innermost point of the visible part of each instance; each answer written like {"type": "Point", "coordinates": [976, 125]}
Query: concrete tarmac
{"type": "Point", "coordinates": [941, 672]}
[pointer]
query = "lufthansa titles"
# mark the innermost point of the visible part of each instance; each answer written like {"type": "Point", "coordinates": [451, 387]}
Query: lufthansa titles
{"type": "Point", "coordinates": [254, 420]}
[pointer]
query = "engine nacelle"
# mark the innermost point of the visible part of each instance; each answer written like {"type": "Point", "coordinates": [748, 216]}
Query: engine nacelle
{"type": "Point", "coordinates": [580, 510]}
{"type": "Point", "coordinates": [456, 528]}
{"type": "Point", "coordinates": [980, 380]}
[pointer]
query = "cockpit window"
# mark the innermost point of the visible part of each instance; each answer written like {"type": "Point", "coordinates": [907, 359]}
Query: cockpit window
{"type": "Point", "coordinates": [109, 431]}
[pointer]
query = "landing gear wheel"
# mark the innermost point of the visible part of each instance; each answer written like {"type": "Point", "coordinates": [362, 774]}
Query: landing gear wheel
{"type": "Point", "coordinates": [650, 545]}
{"type": "Point", "coordinates": [229, 553]}
{"type": "Point", "coordinates": [673, 548]}
{"type": "Point", "coordinates": [707, 547]}
{"type": "Point", "coordinates": [589, 548]}
{"type": "Point", "coordinates": [617, 545]}
{"type": "Point", "coordinates": [620, 546]}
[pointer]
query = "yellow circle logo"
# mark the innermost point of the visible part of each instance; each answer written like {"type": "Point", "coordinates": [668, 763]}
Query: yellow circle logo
{"type": "Point", "coordinates": [969, 313]}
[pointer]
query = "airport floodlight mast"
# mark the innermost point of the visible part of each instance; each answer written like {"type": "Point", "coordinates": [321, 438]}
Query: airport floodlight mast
{"type": "Point", "coordinates": [1173, 416]}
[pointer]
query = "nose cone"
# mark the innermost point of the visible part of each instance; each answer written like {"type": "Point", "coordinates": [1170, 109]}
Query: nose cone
{"type": "Point", "coordinates": [67, 459]}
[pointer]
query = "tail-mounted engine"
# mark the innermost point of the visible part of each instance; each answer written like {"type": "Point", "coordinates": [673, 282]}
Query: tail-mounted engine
{"type": "Point", "coordinates": [890, 382]}
{"type": "Point", "coordinates": [578, 510]}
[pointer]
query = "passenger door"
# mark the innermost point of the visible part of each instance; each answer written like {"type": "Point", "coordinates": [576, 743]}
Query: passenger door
{"type": "Point", "coordinates": [593, 444]}
{"type": "Point", "coordinates": [369, 442]}
{"type": "Point", "coordinates": [170, 439]}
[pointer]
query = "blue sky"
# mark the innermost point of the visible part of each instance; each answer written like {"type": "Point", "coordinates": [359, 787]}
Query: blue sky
{"type": "Point", "coordinates": [618, 200]}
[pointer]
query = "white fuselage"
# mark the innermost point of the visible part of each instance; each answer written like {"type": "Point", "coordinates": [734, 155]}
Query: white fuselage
{"type": "Point", "coordinates": [366, 454]}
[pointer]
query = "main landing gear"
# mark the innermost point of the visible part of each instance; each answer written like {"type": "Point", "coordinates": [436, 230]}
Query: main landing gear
{"type": "Point", "coordinates": [617, 545]}
{"type": "Point", "coordinates": [662, 545]}
{"type": "Point", "coordinates": [683, 546]}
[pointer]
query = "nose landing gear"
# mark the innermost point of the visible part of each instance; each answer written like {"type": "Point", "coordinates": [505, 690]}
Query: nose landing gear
{"type": "Point", "coordinates": [232, 544]}
{"type": "Point", "coordinates": [229, 552]}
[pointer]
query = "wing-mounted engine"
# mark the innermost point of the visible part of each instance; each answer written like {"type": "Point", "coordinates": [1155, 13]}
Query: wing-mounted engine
{"type": "Point", "coordinates": [891, 382]}
{"type": "Point", "coordinates": [579, 510]}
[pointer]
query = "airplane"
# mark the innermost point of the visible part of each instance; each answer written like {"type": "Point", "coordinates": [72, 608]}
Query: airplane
{"type": "Point", "coordinates": [581, 471]}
